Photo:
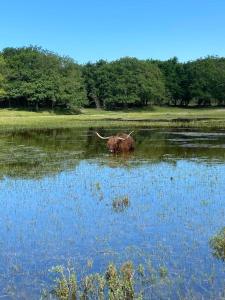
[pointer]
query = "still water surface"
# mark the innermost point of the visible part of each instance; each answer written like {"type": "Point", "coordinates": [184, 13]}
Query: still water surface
{"type": "Point", "coordinates": [57, 190]}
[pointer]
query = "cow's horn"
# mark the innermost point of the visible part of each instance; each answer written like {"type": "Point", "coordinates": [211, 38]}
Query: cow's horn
{"type": "Point", "coordinates": [102, 137]}
{"type": "Point", "coordinates": [130, 133]}
{"type": "Point", "coordinates": [120, 138]}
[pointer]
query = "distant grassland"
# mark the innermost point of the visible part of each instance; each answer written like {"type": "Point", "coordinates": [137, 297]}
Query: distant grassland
{"type": "Point", "coordinates": [212, 118]}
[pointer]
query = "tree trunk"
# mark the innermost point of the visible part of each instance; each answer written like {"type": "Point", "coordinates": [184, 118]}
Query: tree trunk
{"type": "Point", "coordinates": [125, 105]}
{"type": "Point", "coordinates": [36, 106]}
{"type": "Point", "coordinates": [53, 104]}
{"type": "Point", "coordinates": [97, 103]}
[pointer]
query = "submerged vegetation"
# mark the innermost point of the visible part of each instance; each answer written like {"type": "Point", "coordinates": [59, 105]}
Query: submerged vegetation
{"type": "Point", "coordinates": [124, 283]}
{"type": "Point", "coordinates": [65, 198]}
{"type": "Point", "coordinates": [66, 284]}
{"type": "Point", "coordinates": [39, 153]}
{"type": "Point", "coordinates": [117, 285]}
{"type": "Point", "coordinates": [120, 204]}
{"type": "Point", "coordinates": [217, 243]}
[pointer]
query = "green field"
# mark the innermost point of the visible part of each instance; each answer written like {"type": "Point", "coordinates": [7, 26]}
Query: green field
{"type": "Point", "coordinates": [154, 117]}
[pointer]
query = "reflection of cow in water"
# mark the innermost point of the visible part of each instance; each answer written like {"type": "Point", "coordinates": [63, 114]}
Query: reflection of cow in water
{"type": "Point", "coordinates": [121, 142]}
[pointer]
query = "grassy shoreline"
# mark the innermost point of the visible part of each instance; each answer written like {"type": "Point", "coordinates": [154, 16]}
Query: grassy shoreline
{"type": "Point", "coordinates": [156, 117]}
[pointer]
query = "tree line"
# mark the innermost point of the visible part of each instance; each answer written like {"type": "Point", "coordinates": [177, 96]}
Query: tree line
{"type": "Point", "coordinates": [34, 78]}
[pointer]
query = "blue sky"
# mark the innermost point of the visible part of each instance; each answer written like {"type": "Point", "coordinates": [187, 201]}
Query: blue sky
{"type": "Point", "coordinates": [88, 30]}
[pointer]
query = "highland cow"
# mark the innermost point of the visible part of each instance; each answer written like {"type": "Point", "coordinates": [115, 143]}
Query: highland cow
{"type": "Point", "coordinates": [121, 142]}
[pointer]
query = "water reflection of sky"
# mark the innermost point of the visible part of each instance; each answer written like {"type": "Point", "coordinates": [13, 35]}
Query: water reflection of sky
{"type": "Point", "coordinates": [175, 208]}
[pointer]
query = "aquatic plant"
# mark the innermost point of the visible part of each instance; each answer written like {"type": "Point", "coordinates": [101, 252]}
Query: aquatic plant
{"type": "Point", "coordinates": [114, 284]}
{"type": "Point", "coordinates": [217, 243]}
{"type": "Point", "coordinates": [121, 284]}
{"type": "Point", "coordinates": [66, 283]}
{"type": "Point", "coordinates": [92, 287]}
{"type": "Point", "coordinates": [163, 272]}
{"type": "Point", "coordinates": [68, 172]}
{"type": "Point", "coordinates": [120, 204]}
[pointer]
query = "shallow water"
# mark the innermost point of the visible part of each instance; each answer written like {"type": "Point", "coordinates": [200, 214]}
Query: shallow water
{"type": "Point", "coordinates": [56, 207]}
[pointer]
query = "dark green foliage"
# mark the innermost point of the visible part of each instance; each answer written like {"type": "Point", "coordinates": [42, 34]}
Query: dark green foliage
{"type": "Point", "coordinates": [2, 77]}
{"type": "Point", "coordinates": [36, 77]}
{"type": "Point", "coordinates": [31, 77]}
{"type": "Point", "coordinates": [175, 80]}
{"type": "Point", "coordinates": [124, 83]}
{"type": "Point", "coordinates": [96, 80]}
{"type": "Point", "coordinates": [206, 81]}
{"type": "Point", "coordinates": [130, 82]}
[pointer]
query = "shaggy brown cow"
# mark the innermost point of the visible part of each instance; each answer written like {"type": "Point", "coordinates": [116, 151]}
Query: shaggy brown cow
{"type": "Point", "coordinates": [121, 142]}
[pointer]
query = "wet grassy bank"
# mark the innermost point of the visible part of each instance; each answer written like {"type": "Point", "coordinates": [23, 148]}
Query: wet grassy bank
{"type": "Point", "coordinates": [157, 117]}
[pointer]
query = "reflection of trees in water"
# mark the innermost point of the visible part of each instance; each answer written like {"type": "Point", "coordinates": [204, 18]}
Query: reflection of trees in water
{"type": "Point", "coordinates": [33, 154]}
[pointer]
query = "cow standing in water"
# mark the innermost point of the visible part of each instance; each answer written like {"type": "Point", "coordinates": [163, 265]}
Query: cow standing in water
{"type": "Point", "coordinates": [121, 142]}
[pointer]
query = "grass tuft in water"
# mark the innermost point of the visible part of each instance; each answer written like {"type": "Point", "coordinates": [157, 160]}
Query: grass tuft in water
{"type": "Point", "coordinates": [114, 284]}
{"type": "Point", "coordinates": [163, 272]}
{"type": "Point", "coordinates": [121, 285]}
{"type": "Point", "coordinates": [218, 244]}
{"type": "Point", "coordinates": [66, 284]}
{"type": "Point", "coordinates": [93, 287]}
{"type": "Point", "coordinates": [120, 204]}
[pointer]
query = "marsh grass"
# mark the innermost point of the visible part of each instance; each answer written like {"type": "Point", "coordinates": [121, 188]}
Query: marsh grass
{"type": "Point", "coordinates": [156, 117]}
{"type": "Point", "coordinates": [161, 217]}
{"type": "Point", "coordinates": [217, 243]}
{"type": "Point", "coordinates": [120, 204]}
{"type": "Point", "coordinates": [65, 283]}
{"type": "Point", "coordinates": [113, 284]}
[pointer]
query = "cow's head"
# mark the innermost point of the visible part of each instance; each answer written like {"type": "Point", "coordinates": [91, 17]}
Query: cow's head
{"type": "Point", "coordinates": [114, 141]}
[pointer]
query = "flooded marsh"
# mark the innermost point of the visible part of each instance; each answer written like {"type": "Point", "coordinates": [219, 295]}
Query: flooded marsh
{"type": "Point", "coordinates": [65, 201]}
